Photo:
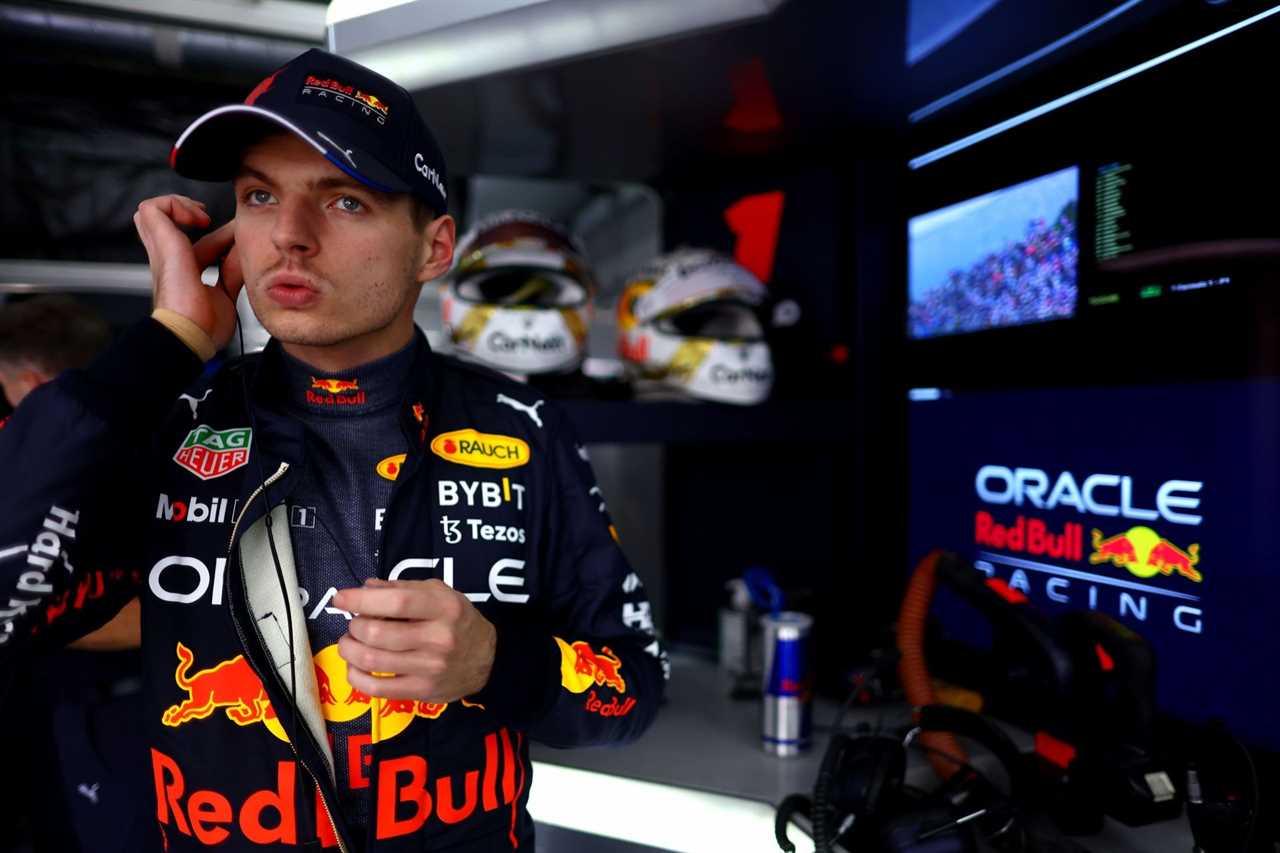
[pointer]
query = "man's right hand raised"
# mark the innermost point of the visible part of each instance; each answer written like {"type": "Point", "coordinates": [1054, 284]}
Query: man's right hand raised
{"type": "Point", "coordinates": [176, 264]}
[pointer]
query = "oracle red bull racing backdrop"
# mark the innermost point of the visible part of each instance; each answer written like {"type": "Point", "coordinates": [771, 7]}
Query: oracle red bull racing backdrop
{"type": "Point", "coordinates": [1153, 505]}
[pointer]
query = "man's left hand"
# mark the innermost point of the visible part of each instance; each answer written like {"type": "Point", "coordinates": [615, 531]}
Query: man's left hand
{"type": "Point", "coordinates": [432, 642]}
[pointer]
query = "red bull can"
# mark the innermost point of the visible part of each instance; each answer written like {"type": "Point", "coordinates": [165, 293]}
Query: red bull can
{"type": "Point", "coordinates": [788, 683]}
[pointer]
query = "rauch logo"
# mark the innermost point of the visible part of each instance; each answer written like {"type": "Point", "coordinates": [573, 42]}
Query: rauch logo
{"type": "Point", "coordinates": [480, 450]}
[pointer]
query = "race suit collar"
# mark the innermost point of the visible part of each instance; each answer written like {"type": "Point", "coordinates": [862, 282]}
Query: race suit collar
{"type": "Point", "coordinates": [419, 391]}
{"type": "Point", "coordinates": [365, 389]}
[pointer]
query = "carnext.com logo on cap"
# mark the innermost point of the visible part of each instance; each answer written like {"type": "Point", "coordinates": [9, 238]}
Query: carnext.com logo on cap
{"type": "Point", "coordinates": [430, 174]}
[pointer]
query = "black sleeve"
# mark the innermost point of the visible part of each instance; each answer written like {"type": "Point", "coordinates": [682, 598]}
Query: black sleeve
{"type": "Point", "coordinates": [597, 672]}
{"type": "Point", "coordinates": [69, 453]}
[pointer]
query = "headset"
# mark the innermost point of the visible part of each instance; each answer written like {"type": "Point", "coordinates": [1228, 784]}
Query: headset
{"type": "Point", "coordinates": [860, 797]}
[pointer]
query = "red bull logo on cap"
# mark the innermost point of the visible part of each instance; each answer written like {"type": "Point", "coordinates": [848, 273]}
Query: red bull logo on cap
{"type": "Point", "coordinates": [330, 90]}
{"type": "Point", "coordinates": [1146, 554]}
{"type": "Point", "coordinates": [372, 101]}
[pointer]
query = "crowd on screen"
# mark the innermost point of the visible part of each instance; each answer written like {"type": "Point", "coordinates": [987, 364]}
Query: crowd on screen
{"type": "Point", "coordinates": [1031, 279]}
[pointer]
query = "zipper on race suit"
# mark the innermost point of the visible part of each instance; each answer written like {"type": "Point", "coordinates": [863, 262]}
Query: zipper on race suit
{"type": "Point", "coordinates": [235, 528]}
{"type": "Point", "coordinates": [240, 633]}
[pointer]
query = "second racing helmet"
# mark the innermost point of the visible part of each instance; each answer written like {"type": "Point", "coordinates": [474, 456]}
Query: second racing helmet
{"type": "Point", "coordinates": [691, 318]}
{"type": "Point", "coordinates": [519, 296]}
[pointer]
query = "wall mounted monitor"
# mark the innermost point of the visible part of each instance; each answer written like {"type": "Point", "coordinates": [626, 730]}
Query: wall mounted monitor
{"type": "Point", "coordinates": [1006, 258]}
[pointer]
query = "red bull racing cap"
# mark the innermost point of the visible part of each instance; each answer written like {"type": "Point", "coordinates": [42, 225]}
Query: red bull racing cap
{"type": "Point", "coordinates": [363, 123]}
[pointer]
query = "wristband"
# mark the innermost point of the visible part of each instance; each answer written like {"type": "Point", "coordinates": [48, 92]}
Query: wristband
{"type": "Point", "coordinates": [187, 331]}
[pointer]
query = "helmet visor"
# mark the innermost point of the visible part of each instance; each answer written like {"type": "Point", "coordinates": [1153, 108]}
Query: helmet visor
{"type": "Point", "coordinates": [721, 319]}
{"type": "Point", "coordinates": [517, 286]}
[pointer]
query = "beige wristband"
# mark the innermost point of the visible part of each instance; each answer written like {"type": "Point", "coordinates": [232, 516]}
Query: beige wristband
{"type": "Point", "coordinates": [187, 331]}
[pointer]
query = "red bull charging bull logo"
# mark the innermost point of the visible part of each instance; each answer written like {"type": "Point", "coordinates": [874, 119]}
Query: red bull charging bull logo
{"type": "Point", "coordinates": [372, 101]}
{"type": "Point", "coordinates": [231, 685]}
{"type": "Point", "coordinates": [335, 386]}
{"type": "Point", "coordinates": [335, 392]}
{"type": "Point", "coordinates": [340, 702]}
{"type": "Point", "coordinates": [582, 668]}
{"type": "Point", "coordinates": [1146, 554]}
{"type": "Point", "coordinates": [235, 688]}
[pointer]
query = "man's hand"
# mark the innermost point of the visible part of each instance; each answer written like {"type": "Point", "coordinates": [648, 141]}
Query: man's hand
{"type": "Point", "coordinates": [176, 264]}
{"type": "Point", "coordinates": [124, 631]}
{"type": "Point", "coordinates": [433, 641]}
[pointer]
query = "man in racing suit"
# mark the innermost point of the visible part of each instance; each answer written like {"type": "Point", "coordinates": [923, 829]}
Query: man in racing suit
{"type": "Point", "coordinates": [369, 574]}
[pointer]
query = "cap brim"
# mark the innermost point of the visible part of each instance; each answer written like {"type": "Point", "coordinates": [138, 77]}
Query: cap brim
{"type": "Point", "coordinates": [212, 147]}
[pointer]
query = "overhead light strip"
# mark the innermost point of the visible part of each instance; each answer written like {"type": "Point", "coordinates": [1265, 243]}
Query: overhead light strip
{"type": "Point", "coordinates": [981, 83]}
{"type": "Point", "coordinates": [280, 18]}
{"type": "Point", "coordinates": [526, 35]}
{"type": "Point", "coordinates": [1057, 103]}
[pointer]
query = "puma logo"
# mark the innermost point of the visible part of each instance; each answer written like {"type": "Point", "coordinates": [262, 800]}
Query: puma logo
{"type": "Point", "coordinates": [193, 402]}
{"type": "Point", "coordinates": [531, 411]}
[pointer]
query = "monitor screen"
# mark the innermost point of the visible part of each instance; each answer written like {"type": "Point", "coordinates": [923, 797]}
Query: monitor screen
{"type": "Point", "coordinates": [1165, 224]}
{"type": "Point", "coordinates": [1153, 505]}
{"type": "Point", "coordinates": [1002, 259]}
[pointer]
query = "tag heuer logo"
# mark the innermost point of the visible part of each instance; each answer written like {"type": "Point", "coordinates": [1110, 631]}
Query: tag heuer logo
{"type": "Point", "coordinates": [210, 453]}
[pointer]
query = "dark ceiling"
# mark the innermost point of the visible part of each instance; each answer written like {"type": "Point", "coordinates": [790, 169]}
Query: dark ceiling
{"type": "Point", "coordinates": [88, 131]}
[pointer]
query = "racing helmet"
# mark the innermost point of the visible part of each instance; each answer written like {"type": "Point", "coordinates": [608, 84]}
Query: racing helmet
{"type": "Point", "coordinates": [519, 296]}
{"type": "Point", "coordinates": [691, 319]}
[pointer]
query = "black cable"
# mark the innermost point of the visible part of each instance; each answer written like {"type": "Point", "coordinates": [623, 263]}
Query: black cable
{"type": "Point", "coordinates": [823, 812]}
{"type": "Point", "coordinates": [821, 808]}
{"type": "Point", "coordinates": [838, 726]}
{"type": "Point", "coordinates": [1257, 792]}
{"type": "Point", "coordinates": [1011, 822]}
